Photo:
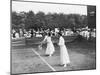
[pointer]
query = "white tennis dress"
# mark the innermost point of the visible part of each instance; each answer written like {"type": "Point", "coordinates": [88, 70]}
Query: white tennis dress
{"type": "Point", "coordinates": [64, 57]}
{"type": "Point", "coordinates": [50, 47]}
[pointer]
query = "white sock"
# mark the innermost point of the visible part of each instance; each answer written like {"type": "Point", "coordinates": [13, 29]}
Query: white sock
{"type": "Point", "coordinates": [50, 55]}
{"type": "Point", "coordinates": [64, 65]}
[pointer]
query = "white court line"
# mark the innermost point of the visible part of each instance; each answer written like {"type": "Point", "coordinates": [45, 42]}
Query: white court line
{"type": "Point", "coordinates": [43, 60]}
{"type": "Point", "coordinates": [17, 44]}
{"type": "Point", "coordinates": [16, 41]}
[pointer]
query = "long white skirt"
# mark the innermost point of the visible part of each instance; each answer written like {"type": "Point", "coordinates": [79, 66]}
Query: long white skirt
{"type": "Point", "coordinates": [64, 57]}
{"type": "Point", "coordinates": [50, 49]}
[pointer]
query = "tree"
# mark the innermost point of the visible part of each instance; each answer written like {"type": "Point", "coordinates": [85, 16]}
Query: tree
{"type": "Point", "coordinates": [16, 20]}
{"type": "Point", "coordinates": [40, 19]}
{"type": "Point", "coordinates": [30, 20]}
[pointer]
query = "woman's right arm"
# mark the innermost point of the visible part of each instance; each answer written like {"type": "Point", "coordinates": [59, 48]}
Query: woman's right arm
{"type": "Point", "coordinates": [44, 39]}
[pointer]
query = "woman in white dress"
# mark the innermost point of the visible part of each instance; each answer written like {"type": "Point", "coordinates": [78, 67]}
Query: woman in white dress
{"type": "Point", "coordinates": [64, 57]}
{"type": "Point", "coordinates": [50, 47]}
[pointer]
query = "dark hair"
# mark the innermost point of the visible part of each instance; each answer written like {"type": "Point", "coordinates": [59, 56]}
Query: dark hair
{"type": "Point", "coordinates": [45, 33]}
{"type": "Point", "coordinates": [49, 34]}
{"type": "Point", "coordinates": [60, 33]}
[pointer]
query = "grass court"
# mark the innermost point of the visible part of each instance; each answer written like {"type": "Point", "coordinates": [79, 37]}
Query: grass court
{"type": "Point", "coordinates": [27, 58]}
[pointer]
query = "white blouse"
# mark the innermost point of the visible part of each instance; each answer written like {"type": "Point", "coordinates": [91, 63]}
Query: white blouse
{"type": "Point", "coordinates": [47, 39]}
{"type": "Point", "coordinates": [61, 41]}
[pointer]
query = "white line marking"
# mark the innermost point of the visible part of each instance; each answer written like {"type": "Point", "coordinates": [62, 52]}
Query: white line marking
{"type": "Point", "coordinates": [43, 60]}
{"type": "Point", "coordinates": [17, 44]}
{"type": "Point", "coordinates": [16, 41]}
